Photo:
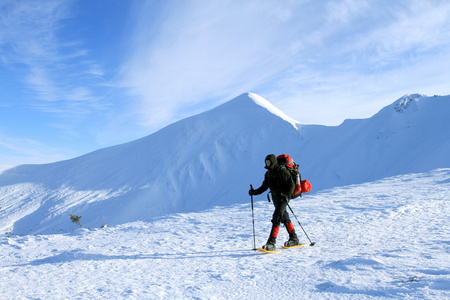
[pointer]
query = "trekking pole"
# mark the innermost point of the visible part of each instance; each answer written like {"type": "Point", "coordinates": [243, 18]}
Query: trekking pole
{"type": "Point", "coordinates": [312, 243]}
{"type": "Point", "coordinates": [253, 220]}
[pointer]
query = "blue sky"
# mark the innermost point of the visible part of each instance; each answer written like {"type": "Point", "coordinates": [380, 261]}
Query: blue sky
{"type": "Point", "coordinates": [77, 76]}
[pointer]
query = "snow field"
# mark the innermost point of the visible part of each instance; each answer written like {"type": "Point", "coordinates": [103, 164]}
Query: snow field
{"type": "Point", "coordinates": [380, 240]}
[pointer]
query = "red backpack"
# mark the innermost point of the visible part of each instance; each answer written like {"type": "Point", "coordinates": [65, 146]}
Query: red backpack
{"type": "Point", "coordinates": [301, 186]}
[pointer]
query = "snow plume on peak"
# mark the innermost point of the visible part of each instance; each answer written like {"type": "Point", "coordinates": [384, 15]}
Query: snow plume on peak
{"type": "Point", "coordinates": [266, 104]}
{"type": "Point", "coordinates": [245, 104]}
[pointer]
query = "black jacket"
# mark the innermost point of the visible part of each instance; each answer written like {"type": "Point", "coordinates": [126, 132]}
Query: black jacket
{"type": "Point", "coordinates": [277, 178]}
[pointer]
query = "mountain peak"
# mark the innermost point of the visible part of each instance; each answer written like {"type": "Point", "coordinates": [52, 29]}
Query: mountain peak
{"type": "Point", "coordinates": [252, 98]}
{"type": "Point", "coordinates": [406, 101]}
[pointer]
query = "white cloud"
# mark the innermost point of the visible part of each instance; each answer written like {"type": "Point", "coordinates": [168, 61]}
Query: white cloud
{"type": "Point", "coordinates": [204, 50]}
{"type": "Point", "coordinates": [419, 28]}
{"type": "Point", "coordinates": [201, 53]}
{"type": "Point", "coordinates": [318, 61]}
{"type": "Point", "coordinates": [50, 66]}
{"type": "Point", "coordinates": [368, 59]}
{"type": "Point", "coordinates": [17, 151]}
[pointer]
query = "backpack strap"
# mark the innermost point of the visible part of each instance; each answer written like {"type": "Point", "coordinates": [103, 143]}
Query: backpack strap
{"type": "Point", "coordinates": [281, 166]}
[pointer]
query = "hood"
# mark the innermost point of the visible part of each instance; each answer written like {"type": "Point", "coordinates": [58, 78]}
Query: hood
{"type": "Point", "coordinates": [273, 161]}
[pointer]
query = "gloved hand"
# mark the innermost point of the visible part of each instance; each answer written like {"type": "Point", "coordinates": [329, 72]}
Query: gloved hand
{"type": "Point", "coordinates": [251, 192]}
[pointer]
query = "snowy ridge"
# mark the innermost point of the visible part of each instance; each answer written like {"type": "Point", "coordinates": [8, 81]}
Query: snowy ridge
{"type": "Point", "coordinates": [210, 159]}
{"type": "Point", "coordinates": [4, 168]}
{"type": "Point", "coordinates": [183, 167]}
{"type": "Point", "coordinates": [264, 103]}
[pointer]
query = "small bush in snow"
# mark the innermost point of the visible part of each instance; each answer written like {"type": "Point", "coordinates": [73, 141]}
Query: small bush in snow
{"type": "Point", "coordinates": [76, 219]}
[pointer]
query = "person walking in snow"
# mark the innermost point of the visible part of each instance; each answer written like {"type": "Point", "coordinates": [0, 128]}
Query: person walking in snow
{"type": "Point", "coordinates": [279, 180]}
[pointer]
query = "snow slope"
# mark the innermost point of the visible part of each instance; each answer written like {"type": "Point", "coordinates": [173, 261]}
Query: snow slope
{"type": "Point", "coordinates": [211, 158]}
{"type": "Point", "coordinates": [387, 239]}
{"type": "Point", "coordinates": [410, 135]}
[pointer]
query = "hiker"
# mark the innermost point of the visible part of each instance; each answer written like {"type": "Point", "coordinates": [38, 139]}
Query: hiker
{"type": "Point", "coordinates": [281, 185]}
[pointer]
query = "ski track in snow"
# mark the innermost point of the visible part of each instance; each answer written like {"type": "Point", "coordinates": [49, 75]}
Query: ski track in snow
{"type": "Point", "coordinates": [385, 239]}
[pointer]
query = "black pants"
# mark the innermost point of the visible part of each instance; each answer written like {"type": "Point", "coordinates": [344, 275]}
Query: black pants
{"type": "Point", "coordinates": [280, 215]}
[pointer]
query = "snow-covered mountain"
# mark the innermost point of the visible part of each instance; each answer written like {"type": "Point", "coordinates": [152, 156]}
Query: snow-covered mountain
{"type": "Point", "coordinates": [211, 158]}
{"type": "Point", "coordinates": [410, 135]}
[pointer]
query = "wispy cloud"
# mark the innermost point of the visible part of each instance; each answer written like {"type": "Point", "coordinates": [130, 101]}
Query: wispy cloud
{"type": "Point", "coordinates": [200, 50]}
{"type": "Point", "coordinates": [420, 27]}
{"type": "Point", "coordinates": [318, 61]}
{"type": "Point", "coordinates": [29, 151]}
{"type": "Point", "coordinates": [365, 56]}
{"type": "Point", "coordinates": [316, 53]}
{"type": "Point", "coordinates": [53, 68]}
